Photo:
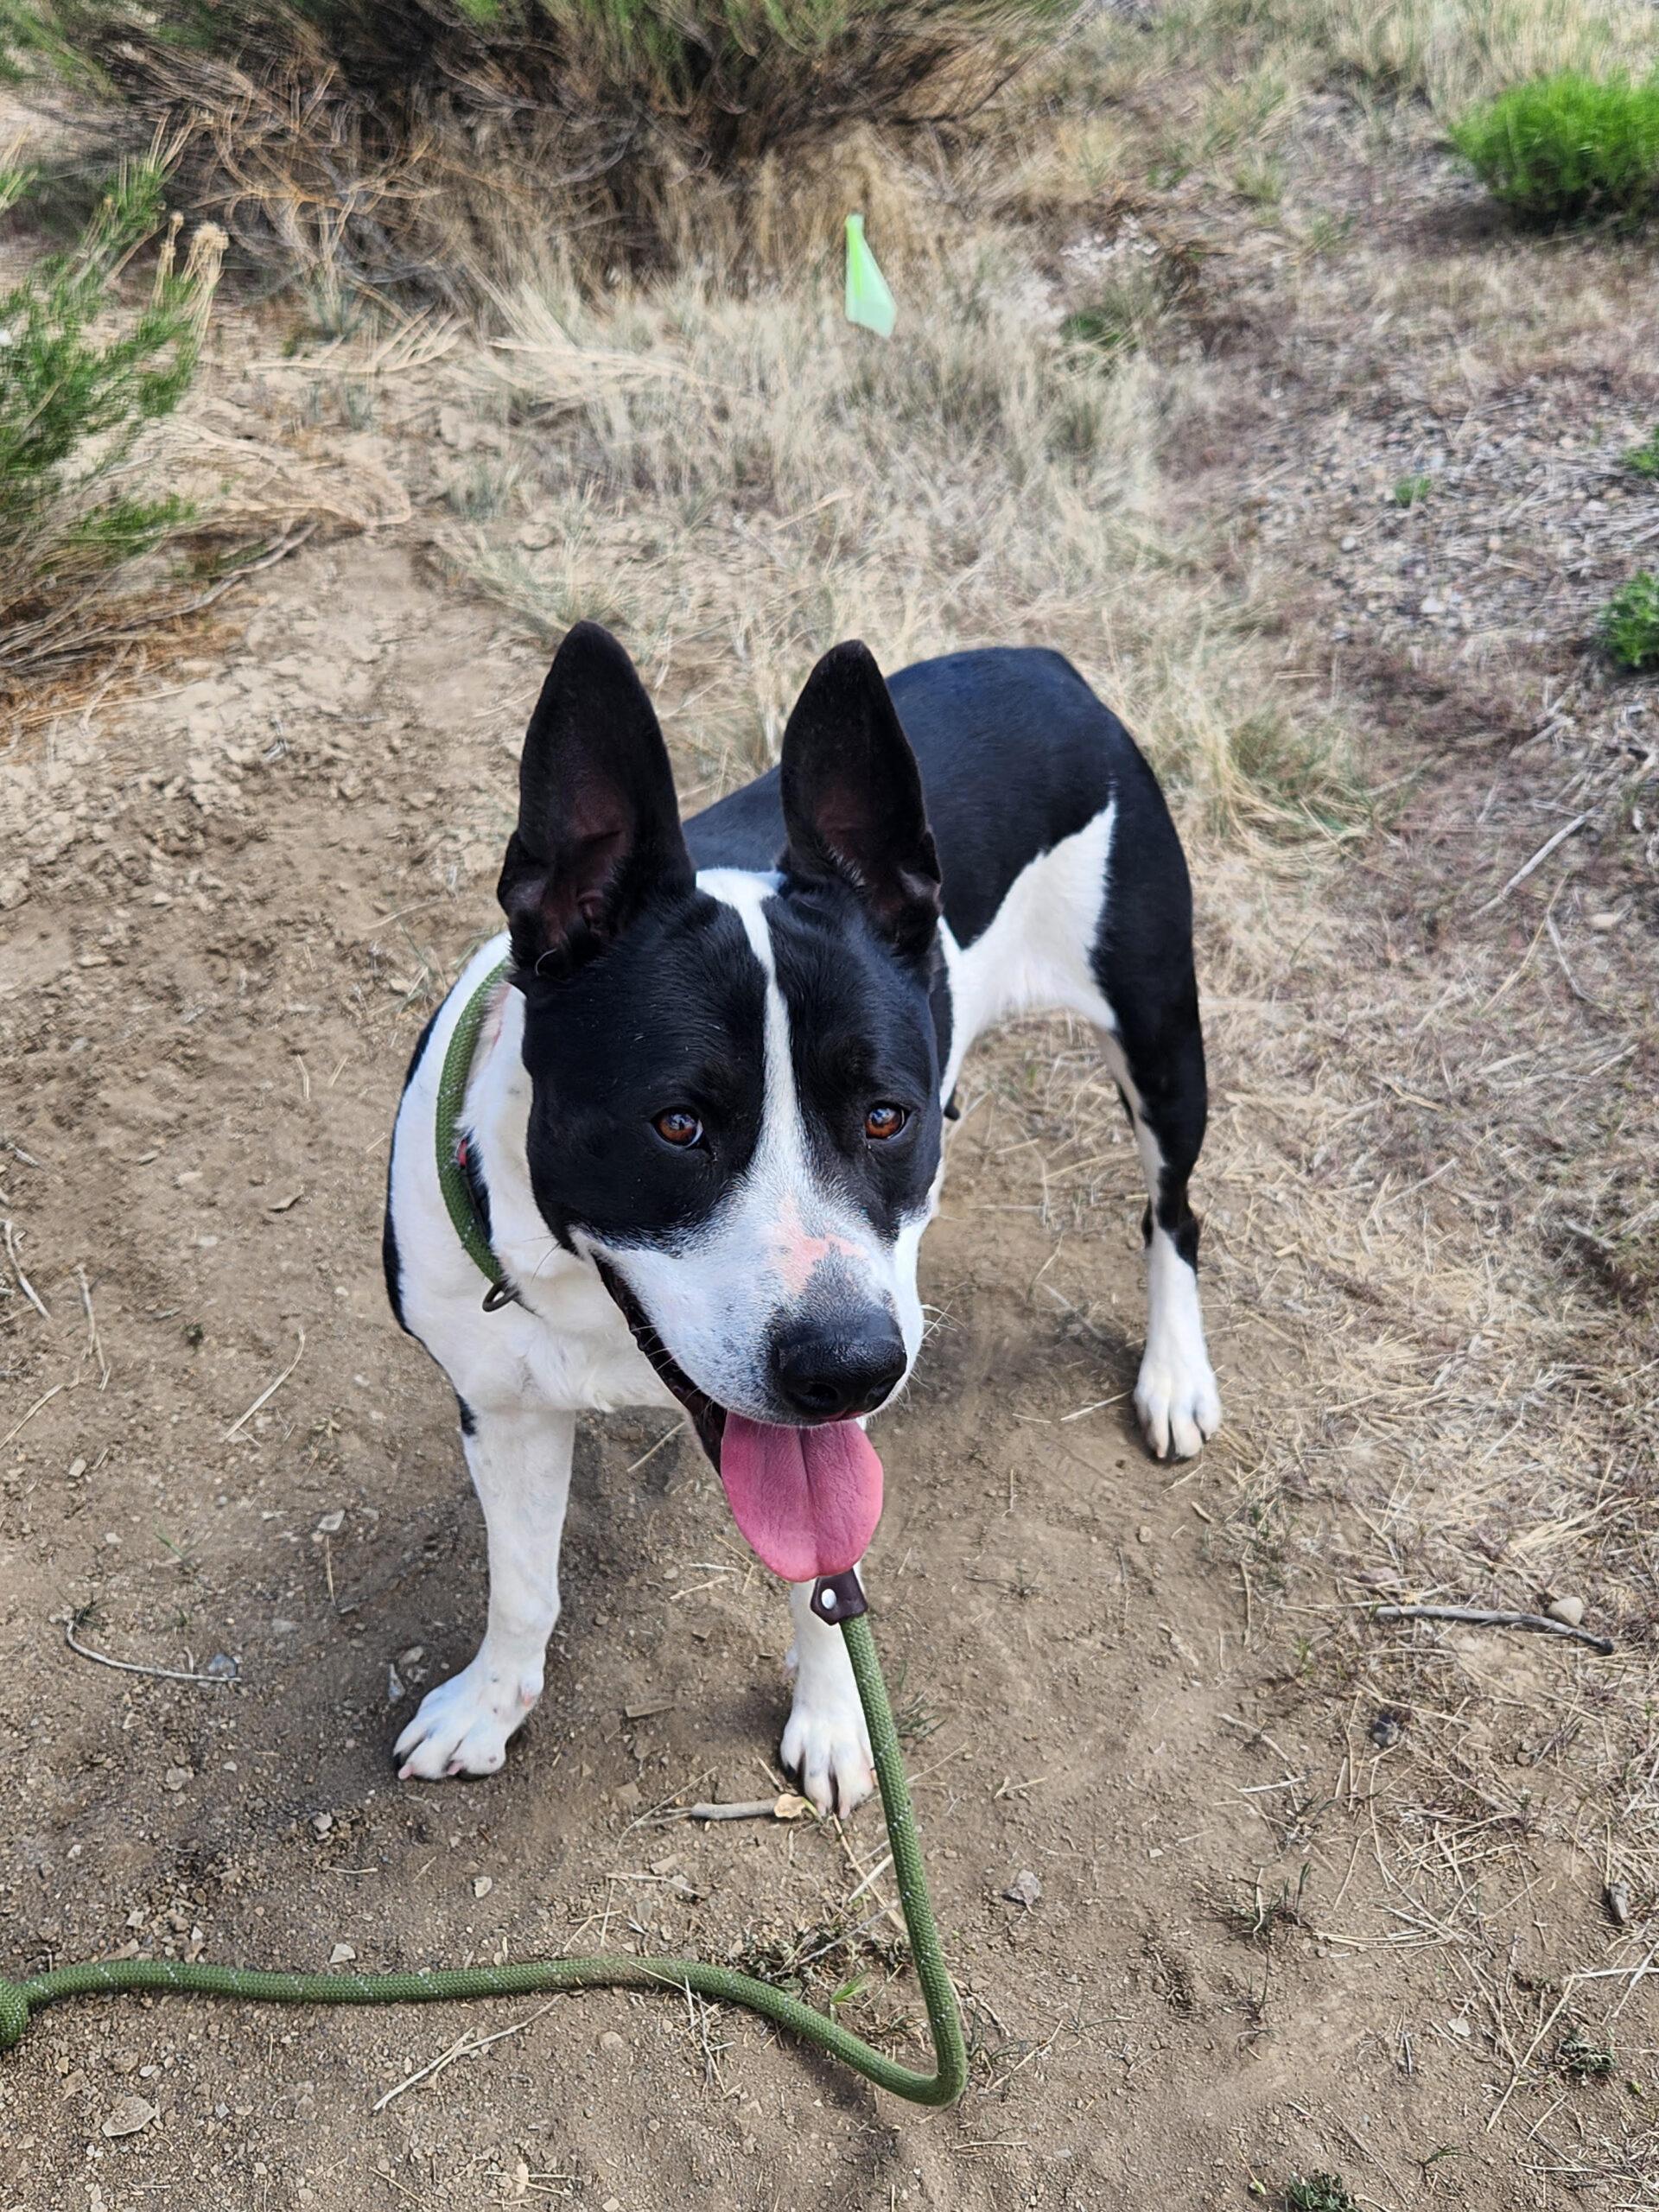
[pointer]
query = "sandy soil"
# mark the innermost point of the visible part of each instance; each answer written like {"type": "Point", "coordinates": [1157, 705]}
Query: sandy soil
{"type": "Point", "coordinates": [1313, 1896]}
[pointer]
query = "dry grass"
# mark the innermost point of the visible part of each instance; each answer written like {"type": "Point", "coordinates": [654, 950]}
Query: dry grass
{"type": "Point", "coordinates": [736, 481]}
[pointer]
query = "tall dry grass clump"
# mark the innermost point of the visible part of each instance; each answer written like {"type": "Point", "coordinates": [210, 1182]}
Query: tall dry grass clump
{"type": "Point", "coordinates": [405, 142]}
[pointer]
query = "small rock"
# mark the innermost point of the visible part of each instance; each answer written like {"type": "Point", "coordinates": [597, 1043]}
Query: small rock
{"type": "Point", "coordinates": [127, 2115]}
{"type": "Point", "coordinates": [412, 1657]}
{"type": "Point", "coordinates": [332, 1523]}
{"type": "Point", "coordinates": [1433, 606]}
{"type": "Point", "coordinates": [611, 2041]}
{"type": "Point", "coordinates": [1143, 1535]}
{"type": "Point", "coordinates": [1617, 1899]}
{"type": "Point", "coordinates": [1387, 1730]}
{"type": "Point", "coordinates": [394, 1686]}
{"type": "Point", "coordinates": [482, 1886]}
{"type": "Point", "coordinates": [1568, 1611]}
{"type": "Point", "coordinates": [177, 1776]}
{"type": "Point", "coordinates": [342, 1955]}
{"type": "Point", "coordinates": [321, 1823]}
{"type": "Point", "coordinates": [221, 1667]}
{"type": "Point", "coordinates": [1025, 1888]}
{"type": "Point", "coordinates": [124, 2062]}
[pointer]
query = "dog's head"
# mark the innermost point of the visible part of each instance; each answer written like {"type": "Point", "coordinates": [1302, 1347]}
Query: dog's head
{"type": "Point", "coordinates": [736, 1080]}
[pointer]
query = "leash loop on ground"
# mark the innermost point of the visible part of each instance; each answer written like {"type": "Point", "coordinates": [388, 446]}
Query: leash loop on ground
{"type": "Point", "coordinates": [723, 1985]}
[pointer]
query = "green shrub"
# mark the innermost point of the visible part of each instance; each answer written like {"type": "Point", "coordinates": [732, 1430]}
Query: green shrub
{"type": "Point", "coordinates": [1567, 149]}
{"type": "Point", "coordinates": [1629, 623]}
{"type": "Point", "coordinates": [81, 377]}
{"type": "Point", "coordinates": [334, 117]}
{"type": "Point", "coordinates": [1644, 459]}
{"type": "Point", "coordinates": [1411, 490]}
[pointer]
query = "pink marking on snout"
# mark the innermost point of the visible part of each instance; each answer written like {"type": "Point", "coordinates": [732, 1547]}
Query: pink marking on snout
{"type": "Point", "coordinates": [796, 1253]}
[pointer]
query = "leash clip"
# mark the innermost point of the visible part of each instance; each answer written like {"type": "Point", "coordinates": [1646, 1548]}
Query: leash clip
{"type": "Point", "coordinates": [838, 1598]}
{"type": "Point", "coordinates": [499, 1294]}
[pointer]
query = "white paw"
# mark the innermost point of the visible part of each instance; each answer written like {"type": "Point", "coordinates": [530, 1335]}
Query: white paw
{"type": "Point", "coordinates": [1177, 1403]}
{"type": "Point", "coordinates": [827, 1748]}
{"type": "Point", "coordinates": [463, 1725]}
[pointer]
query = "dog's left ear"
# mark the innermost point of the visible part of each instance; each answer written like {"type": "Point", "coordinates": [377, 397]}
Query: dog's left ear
{"type": "Point", "coordinates": [852, 798]}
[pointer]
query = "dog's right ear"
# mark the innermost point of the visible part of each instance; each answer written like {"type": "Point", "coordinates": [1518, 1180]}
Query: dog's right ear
{"type": "Point", "coordinates": [598, 825]}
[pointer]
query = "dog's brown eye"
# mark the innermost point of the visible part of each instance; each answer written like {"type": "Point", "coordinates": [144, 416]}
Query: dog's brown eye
{"type": "Point", "coordinates": [884, 1121]}
{"type": "Point", "coordinates": [679, 1127]}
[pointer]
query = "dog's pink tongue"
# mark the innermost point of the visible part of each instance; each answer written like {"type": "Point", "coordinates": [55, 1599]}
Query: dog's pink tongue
{"type": "Point", "coordinates": [807, 1499]}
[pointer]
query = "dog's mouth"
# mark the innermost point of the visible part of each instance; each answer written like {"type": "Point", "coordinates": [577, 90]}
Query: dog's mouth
{"type": "Point", "coordinates": [807, 1499]}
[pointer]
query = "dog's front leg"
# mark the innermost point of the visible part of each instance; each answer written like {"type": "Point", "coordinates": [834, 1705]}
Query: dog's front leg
{"type": "Point", "coordinates": [520, 1463]}
{"type": "Point", "coordinates": [826, 1744]}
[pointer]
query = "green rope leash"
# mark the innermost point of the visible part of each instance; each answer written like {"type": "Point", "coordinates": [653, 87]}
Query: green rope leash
{"type": "Point", "coordinates": [20, 2000]}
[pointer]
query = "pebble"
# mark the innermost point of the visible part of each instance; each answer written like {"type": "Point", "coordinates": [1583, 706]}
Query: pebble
{"type": "Point", "coordinates": [611, 2041]}
{"type": "Point", "coordinates": [1617, 1898]}
{"type": "Point", "coordinates": [177, 1776]}
{"type": "Point", "coordinates": [1025, 1888]}
{"type": "Point", "coordinates": [341, 1955]}
{"type": "Point", "coordinates": [1568, 1611]}
{"type": "Point", "coordinates": [127, 2115]}
{"type": "Point", "coordinates": [482, 1884]}
{"type": "Point", "coordinates": [1386, 1730]}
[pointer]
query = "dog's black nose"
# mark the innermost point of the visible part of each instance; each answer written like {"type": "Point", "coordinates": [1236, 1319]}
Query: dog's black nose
{"type": "Point", "coordinates": [832, 1375]}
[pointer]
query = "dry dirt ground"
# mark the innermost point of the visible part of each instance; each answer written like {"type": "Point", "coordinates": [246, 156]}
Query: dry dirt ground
{"type": "Point", "coordinates": [1318, 1894]}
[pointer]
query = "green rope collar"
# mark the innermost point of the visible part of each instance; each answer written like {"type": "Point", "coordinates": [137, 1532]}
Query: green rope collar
{"type": "Point", "coordinates": [458, 1199]}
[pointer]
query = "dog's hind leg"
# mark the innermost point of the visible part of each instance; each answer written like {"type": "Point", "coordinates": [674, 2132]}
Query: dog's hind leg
{"type": "Point", "coordinates": [520, 1463]}
{"type": "Point", "coordinates": [826, 1746]}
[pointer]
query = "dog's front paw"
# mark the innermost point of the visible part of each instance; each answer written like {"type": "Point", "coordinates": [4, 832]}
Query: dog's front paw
{"type": "Point", "coordinates": [827, 1748]}
{"type": "Point", "coordinates": [1177, 1401]}
{"type": "Point", "coordinates": [463, 1725]}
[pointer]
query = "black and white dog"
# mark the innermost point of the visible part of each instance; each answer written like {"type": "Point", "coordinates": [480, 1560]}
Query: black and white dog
{"type": "Point", "coordinates": [703, 1119]}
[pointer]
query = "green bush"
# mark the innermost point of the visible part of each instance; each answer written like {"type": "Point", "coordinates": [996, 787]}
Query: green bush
{"type": "Point", "coordinates": [81, 377]}
{"type": "Point", "coordinates": [1643, 459]}
{"type": "Point", "coordinates": [610, 116]}
{"type": "Point", "coordinates": [1568, 148]}
{"type": "Point", "coordinates": [1629, 623]}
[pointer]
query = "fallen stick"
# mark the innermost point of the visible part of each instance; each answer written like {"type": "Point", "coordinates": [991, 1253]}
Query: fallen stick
{"type": "Point", "coordinates": [132, 1667]}
{"type": "Point", "coordinates": [1481, 1619]}
{"type": "Point", "coordinates": [786, 1807]}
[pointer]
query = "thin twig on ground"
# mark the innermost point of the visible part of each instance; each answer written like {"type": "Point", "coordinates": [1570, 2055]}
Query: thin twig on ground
{"type": "Point", "coordinates": [1482, 1619]}
{"type": "Point", "coordinates": [269, 1392]}
{"type": "Point", "coordinates": [133, 1666]}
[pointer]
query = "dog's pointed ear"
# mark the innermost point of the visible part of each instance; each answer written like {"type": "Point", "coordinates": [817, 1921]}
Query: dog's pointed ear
{"type": "Point", "coordinates": [598, 825]}
{"type": "Point", "coordinates": [852, 798]}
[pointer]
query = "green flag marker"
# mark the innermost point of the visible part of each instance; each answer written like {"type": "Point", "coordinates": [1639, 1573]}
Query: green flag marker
{"type": "Point", "coordinates": [868, 301]}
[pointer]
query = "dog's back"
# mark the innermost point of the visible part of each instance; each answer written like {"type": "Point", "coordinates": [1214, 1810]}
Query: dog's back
{"type": "Point", "coordinates": [1016, 754]}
